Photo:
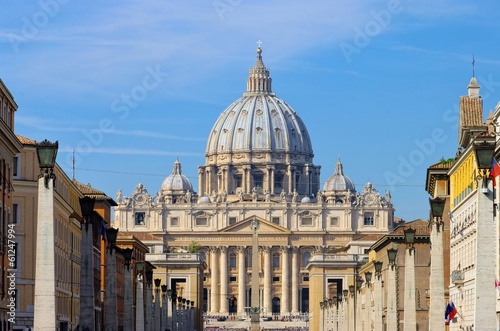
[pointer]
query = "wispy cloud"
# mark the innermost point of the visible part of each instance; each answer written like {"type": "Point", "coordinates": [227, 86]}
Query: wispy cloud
{"type": "Point", "coordinates": [125, 151]}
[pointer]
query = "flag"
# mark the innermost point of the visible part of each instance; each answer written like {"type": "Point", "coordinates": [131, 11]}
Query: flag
{"type": "Point", "coordinates": [497, 285]}
{"type": "Point", "coordinates": [450, 312]}
{"type": "Point", "coordinates": [494, 172]}
{"type": "Point", "coordinates": [102, 230]}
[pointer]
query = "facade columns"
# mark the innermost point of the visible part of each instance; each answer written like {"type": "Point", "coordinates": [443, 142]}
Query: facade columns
{"type": "Point", "coordinates": [241, 281]}
{"type": "Point", "coordinates": [295, 280]}
{"type": "Point", "coordinates": [214, 284]}
{"type": "Point", "coordinates": [224, 303]}
{"type": "Point", "coordinates": [285, 304]}
{"type": "Point", "coordinates": [267, 279]}
{"type": "Point", "coordinates": [128, 299]}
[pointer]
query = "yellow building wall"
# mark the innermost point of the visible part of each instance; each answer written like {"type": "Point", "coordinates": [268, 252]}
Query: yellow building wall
{"type": "Point", "coordinates": [462, 180]}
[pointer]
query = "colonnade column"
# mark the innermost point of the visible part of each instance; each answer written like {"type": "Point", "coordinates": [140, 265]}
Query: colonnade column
{"type": "Point", "coordinates": [208, 181]}
{"type": "Point", "coordinates": [241, 280]}
{"type": "Point", "coordinates": [285, 289]}
{"type": "Point", "coordinates": [201, 183]}
{"type": "Point", "coordinates": [214, 283]}
{"type": "Point", "coordinates": [267, 279]}
{"type": "Point", "coordinates": [270, 174]}
{"type": "Point", "coordinates": [410, 317]}
{"type": "Point", "coordinates": [295, 280]}
{"type": "Point", "coordinates": [246, 170]}
{"type": "Point", "coordinates": [224, 303]}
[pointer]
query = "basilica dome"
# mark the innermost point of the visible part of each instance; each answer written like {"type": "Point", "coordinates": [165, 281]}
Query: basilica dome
{"type": "Point", "coordinates": [176, 182]}
{"type": "Point", "coordinates": [338, 181]}
{"type": "Point", "coordinates": [259, 124]}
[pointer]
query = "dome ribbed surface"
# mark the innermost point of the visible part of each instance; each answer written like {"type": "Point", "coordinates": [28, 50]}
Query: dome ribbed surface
{"type": "Point", "coordinates": [338, 181]}
{"type": "Point", "coordinates": [177, 181]}
{"type": "Point", "coordinates": [259, 121]}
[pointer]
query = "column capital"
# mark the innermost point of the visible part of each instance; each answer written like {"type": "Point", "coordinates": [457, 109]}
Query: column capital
{"type": "Point", "coordinates": [241, 249]}
{"type": "Point", "coordinates": [223, 249]}
{"type": "Point", "coordinates": [284, 249]}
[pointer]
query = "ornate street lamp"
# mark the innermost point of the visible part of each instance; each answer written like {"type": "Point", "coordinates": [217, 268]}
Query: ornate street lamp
{"type": "Point", "coordinates": [352, 289]}
{"type": "Point", "coordinates": [359, 283]}
{"type": "Point", "coordinates": [378, 268]}
{"type": "Point", "coordinates": [47, 153]}
{"type": "Point", "coordinates": [111, 235]}
{"type": "Point", "coordinates": [127, 256]}
{"type": "Point", "coordinates": [410, 238]}
{"type": "Point", "coordinates": [157, 283]}
{"type": "Point", "coordinates": [368, 277]}
{"type": "Point", "coordinates": [391, 255]}
{"type": "Point", "coordinates": [345, 293]}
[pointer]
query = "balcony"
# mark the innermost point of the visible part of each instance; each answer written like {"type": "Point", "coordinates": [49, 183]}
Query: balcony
{"type": "Point", "coordinates": [457, 277]}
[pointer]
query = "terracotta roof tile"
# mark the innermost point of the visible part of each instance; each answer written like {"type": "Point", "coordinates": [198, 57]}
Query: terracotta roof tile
{"type": "Point", "coordinates": [26, 141]}
{"type": "Point", "coordinates": [93, 192]}
{"type": "Point", "coordinates": [471, 111]}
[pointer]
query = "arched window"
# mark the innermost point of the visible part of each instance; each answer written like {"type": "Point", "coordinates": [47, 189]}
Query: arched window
{"type": "Point", "coordinates": [276, 305]}
{"type": "Point", "coordinates": [305, 258]}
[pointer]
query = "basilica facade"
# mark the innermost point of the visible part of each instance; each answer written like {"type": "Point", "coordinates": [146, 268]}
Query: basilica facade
{"type": "Point", "coordinates": [259, 169]}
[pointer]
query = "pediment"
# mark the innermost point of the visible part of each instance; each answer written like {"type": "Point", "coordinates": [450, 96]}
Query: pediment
{"type": "Point", "coordinates": [264, 227]}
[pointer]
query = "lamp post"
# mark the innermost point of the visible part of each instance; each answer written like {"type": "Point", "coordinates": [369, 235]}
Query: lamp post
{"type": "Point", "coordinates": [157, 318]}
{"type": "Point", "coordinates": [139, 305]}
{"type": "Point", "coordinates": [128, 297]}
{"type": "Point", "coordinates": [87, 310]}
{"type": "Point", "coordinates": [392, 303]}
{"type": "Point", "coordinates": [45, 283]}
{"type": "Point", "coordinates": [486, 252]}
{"type": "Point", "coordinates": [378, 322]}
{"type": "Point", "coordinates": [111, 304]}
{"type": "Point", "coordinates": [164, 304]}
{"type": "Point", "coordinates": [193, 315]}
{"type": "Point", "coordinates": [410, 315]}
{"type": "Point", "coordinates": [436, 286]}
{"type": "Point", "coordinates": [188, 315]}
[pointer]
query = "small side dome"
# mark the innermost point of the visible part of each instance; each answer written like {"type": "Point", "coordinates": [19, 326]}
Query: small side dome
{"type": "Point", "coordinates": [204, 199]}
{"type": "Point", "coordinates": [338, 181]}
{"type": "Point", "coordinates": [305, 200]}
{"type": "Point", "coordinates": [176, 182]}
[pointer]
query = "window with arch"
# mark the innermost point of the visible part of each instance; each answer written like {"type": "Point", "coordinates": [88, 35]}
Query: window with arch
{"type": "Point", "coordinates": [305, 258]}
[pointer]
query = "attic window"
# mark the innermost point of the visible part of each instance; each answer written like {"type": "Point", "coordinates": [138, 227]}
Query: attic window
{"type": "Point", "coordinates": [201, 221]}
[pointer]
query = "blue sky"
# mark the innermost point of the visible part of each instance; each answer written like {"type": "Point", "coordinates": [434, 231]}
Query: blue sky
{"type": "Point", "coordinates": [131, 86]}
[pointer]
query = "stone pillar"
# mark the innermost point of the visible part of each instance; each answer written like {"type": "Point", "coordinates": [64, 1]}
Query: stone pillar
{"type": "Point", "coordinates": [208, 176]}
{"type": "Point", "coordinates": [272, 184]}
{"type": "Point", "coordinates": [111, 304]}
{"type": "Point", "coordinates": [149, 307]}
{"type": "Point", "coordinates": [224, 294]}
{"type": "Point", "coordinates": [128, 300]}
{"type": "Point", "coordinates": [335, 317]}
{"type": "Point", "coordinates": [201, 183]}
{"type": "Point", "coordinates": [359, 317]}
{"type": "Point", "coordinates": [164, 305]}
{"type": "Point", "coordinates": [214, 283]}
{"type": "Point", "coordinates": [436, 286]}
{"type": "Point", "coordinates": [241, 280]}
{"type": "Point", "coordinates": [295, 280]}
{"type": "Point", "coordinates": [368, 308]}
{"type": "Point", "coordinates": [87, 312]}
{"type": "Point", "coordinates": [139, 306]}
{"type": "Point", "coordinates": [392, 303]}
{"type": "Point", "coordinates": [378, 322]}
{"type": "Point", "coordinates": [410, 316]}
{"type": "Point", "coordinates": [486, 258]}
{"type": "Point", "coordinates": [285, 282]}
{"type": "Point", "coordinates": [267, 280]}
{"type": "Point", "coordinates": [174, 314]}
{"type": "Point", "coordinates": [352, 317]}
{"type": "Point", "coordinates": [157, 310]}
{"type": "Point", "coordinates": [45, 283]}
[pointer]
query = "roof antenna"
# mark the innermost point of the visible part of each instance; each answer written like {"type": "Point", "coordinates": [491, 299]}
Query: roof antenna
{"type": "Point", "coordinates": [473, 62]}
{"type": "Point", "coordinates": [73, 164]}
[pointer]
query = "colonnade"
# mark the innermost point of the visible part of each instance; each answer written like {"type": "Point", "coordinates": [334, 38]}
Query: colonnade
{"type": "Point", "coordinates": [220, 273]}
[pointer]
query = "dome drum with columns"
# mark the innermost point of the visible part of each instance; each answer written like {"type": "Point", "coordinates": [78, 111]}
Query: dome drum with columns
{"type": "Point", "coordinates": [259, 166]}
